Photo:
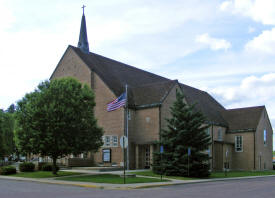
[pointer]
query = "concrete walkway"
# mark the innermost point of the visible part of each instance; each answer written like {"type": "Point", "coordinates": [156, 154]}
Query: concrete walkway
{"type": "Point", "coordinates": [121, 186]}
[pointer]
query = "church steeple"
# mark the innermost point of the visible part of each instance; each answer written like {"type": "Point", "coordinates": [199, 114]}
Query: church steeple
{"type": "Point", "coordinates": [83, 39]}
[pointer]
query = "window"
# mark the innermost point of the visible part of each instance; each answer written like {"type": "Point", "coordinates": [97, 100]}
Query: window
{"type": "Point", "coordinates": [265, 143]}
{"type": "Point", "coordinates": [129, 114]}
{"type": "Point", "coordinates": [238, 143]}
{"type": "Point", "coordinates": [208, 151]}
{"type": "Point", "coordinates": [107, 140]}
{"type": "Point", "coordinates": [207, 131]}
{"type": "Point", "coordinates": [115, 141]}
{"type": "Point", "coordinates": [219, 134]}
{"type": "Point", "coordinates": [110, 141]}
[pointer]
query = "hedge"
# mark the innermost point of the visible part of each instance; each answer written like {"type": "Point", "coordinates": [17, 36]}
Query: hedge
{"type": "Point", "coordinates": [26, 167]}
{"type": "Point", "coordinates": [48, 167]}
{"type": "Point", "coordinates": [7, 170]}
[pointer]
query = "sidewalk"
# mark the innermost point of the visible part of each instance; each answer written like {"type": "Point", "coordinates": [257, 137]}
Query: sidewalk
{"type": "Point", "coordinates": [122, 186]}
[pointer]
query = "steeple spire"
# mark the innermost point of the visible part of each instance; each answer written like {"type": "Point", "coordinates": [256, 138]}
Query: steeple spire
{"type": "Point", "coordinates": [83, 39]}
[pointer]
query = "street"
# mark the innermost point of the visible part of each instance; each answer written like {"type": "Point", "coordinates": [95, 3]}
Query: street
{"type": "Point", "coordinates": [247, 188]}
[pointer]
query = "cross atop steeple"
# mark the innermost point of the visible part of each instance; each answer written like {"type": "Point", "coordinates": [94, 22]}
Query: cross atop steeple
{"type": "Point", "coordinates": [83, 7]}
{"type": "Point", "coordinates": [83, 39]}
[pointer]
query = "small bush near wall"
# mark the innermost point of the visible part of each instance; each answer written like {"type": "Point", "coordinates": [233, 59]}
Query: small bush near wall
{"type": "Point", "coordinates": [26, 167]}
{"type": "Point", "coordinates": [7, 170]}
{"type": "Point", "coordinates": [40, 165]}
{"type": "Point", "coordinates": [48, 167]}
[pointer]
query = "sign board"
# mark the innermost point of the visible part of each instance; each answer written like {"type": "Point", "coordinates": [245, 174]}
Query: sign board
{"type": "Point", "coordinates": [161, 149]}
{"type": "Point", "coordinates": [189, 151]}
{"type": "Point", "coordinates": [106, 155]}
{"type": "Point", "coordinates": [123, 141]}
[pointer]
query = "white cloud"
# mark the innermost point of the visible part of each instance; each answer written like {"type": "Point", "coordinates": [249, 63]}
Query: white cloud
{"type": "Point", "coordinates": [259, 10]}
{"type": "Point", "coordinates": [251, 29]}
{"type": "Point", "coordinates": [226, 5]}
{"type": "Point", "coordinates": [252, 89]}
{"type": "Point", "coordinates": [265, 42]}
{"type": "Point", "coordinates": [7, 17]}
{"type": "Point", "coordinates": [213, 43]}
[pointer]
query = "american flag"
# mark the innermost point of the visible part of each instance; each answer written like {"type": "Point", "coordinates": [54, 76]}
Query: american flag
{"type": "Point", "coordinates": [117, 103]}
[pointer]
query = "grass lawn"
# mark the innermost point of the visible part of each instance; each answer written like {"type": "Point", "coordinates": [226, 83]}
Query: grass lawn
{"type": "Point", "coordinates": [109, 178]}
{"type": "Point", "coordinates": [43, 174]}
{"type": "Point", "coordinates": [213, 174]}
{"type": "Point", "coordinates": [151, 174]}
{"type": "Point", "coordinates": [241, 174]}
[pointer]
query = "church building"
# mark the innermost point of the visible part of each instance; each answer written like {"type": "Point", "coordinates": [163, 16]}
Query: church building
{"type": "Point", "coordinates": [241, 138]}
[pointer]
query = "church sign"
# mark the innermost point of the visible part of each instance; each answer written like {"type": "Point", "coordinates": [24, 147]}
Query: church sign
{"type": "Point", "coordinates": [106, 155]}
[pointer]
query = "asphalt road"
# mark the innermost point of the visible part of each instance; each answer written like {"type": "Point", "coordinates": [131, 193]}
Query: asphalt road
{"type": "Point", "coordinates": [248, 188]}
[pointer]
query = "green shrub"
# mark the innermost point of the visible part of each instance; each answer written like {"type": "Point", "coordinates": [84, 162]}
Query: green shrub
{"type": "Point", "coordinates": [26, 167]}
{"type": "Point", "coordinates": [40, 165]}
{"type": "Point", "coordinates": [48, 167]}
{"type": "Point", "coordinates": [7, 170]}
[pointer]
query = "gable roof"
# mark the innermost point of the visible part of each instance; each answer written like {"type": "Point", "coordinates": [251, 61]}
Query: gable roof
{"type": "Point", "coordinates": [153, 93]}
{"type": "Point", "coordinates": [147, 89]}
{"type": "Point", "coordinates": [205, 103]}
{"type": "Point", "coordinates": [116, 74]}
{"type": "Point", "coordinates": [243, 119]}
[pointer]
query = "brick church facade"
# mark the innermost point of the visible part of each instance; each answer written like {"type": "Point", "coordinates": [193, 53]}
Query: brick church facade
{"type": "Point", "coordinates": [241, 138]}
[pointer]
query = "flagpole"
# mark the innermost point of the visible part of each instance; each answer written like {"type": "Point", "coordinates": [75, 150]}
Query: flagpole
{"type": "Point", "coordinates": [126, 87]}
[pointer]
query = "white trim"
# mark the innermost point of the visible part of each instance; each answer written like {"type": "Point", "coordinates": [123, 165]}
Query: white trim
{"type": "Point", "coordinates": [111, 141]}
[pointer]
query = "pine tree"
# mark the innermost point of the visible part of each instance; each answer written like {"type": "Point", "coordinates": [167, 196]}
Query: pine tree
{"type": "Point", "coordinates": [186, 129]}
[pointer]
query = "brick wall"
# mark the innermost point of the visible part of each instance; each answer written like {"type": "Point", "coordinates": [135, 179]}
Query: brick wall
{"type": "Point", "coordinates": [111, 122]}
{"type": "Point", "coordinates": [71, 65]}
{"type": "Point", "coordinates": [243, 160]}
{"type": "Point", "coordinates": [263, 154]}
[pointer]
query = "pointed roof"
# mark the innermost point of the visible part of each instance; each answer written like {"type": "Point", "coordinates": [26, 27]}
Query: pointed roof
{"type": "Point", "coordinates": [206, 104]}
{"type": "Point", "coordinates": [116, 74]}
{"type": "Point", "coordinates": [243, 119]}
{"type": "Point", "coordinates": [145, 88]}
{"type": "Point", "coordinates": [83, 39]}
{"type": "Point", "coordinates": [149, 90]}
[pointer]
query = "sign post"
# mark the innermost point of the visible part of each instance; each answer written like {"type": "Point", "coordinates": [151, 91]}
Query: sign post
{"type": "Point", "coordinates": [189, 153]}
{"type": "Point", "coordinates": [161, 151]}
{"type": "Point", "coordinates": [123, 144]}
{"type": "Point", "coordinates": [226, 163]}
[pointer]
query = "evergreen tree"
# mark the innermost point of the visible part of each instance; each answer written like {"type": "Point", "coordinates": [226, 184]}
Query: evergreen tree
{"type": "Point", "coordinates": [186, 129]}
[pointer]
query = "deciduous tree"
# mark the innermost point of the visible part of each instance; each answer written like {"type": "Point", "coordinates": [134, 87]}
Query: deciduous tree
{"type": "Point", "coordinates": [58, 119]}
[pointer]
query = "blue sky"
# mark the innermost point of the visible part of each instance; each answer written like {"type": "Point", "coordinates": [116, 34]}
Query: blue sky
{"type": "Point", "coordinates": [225, 47]}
